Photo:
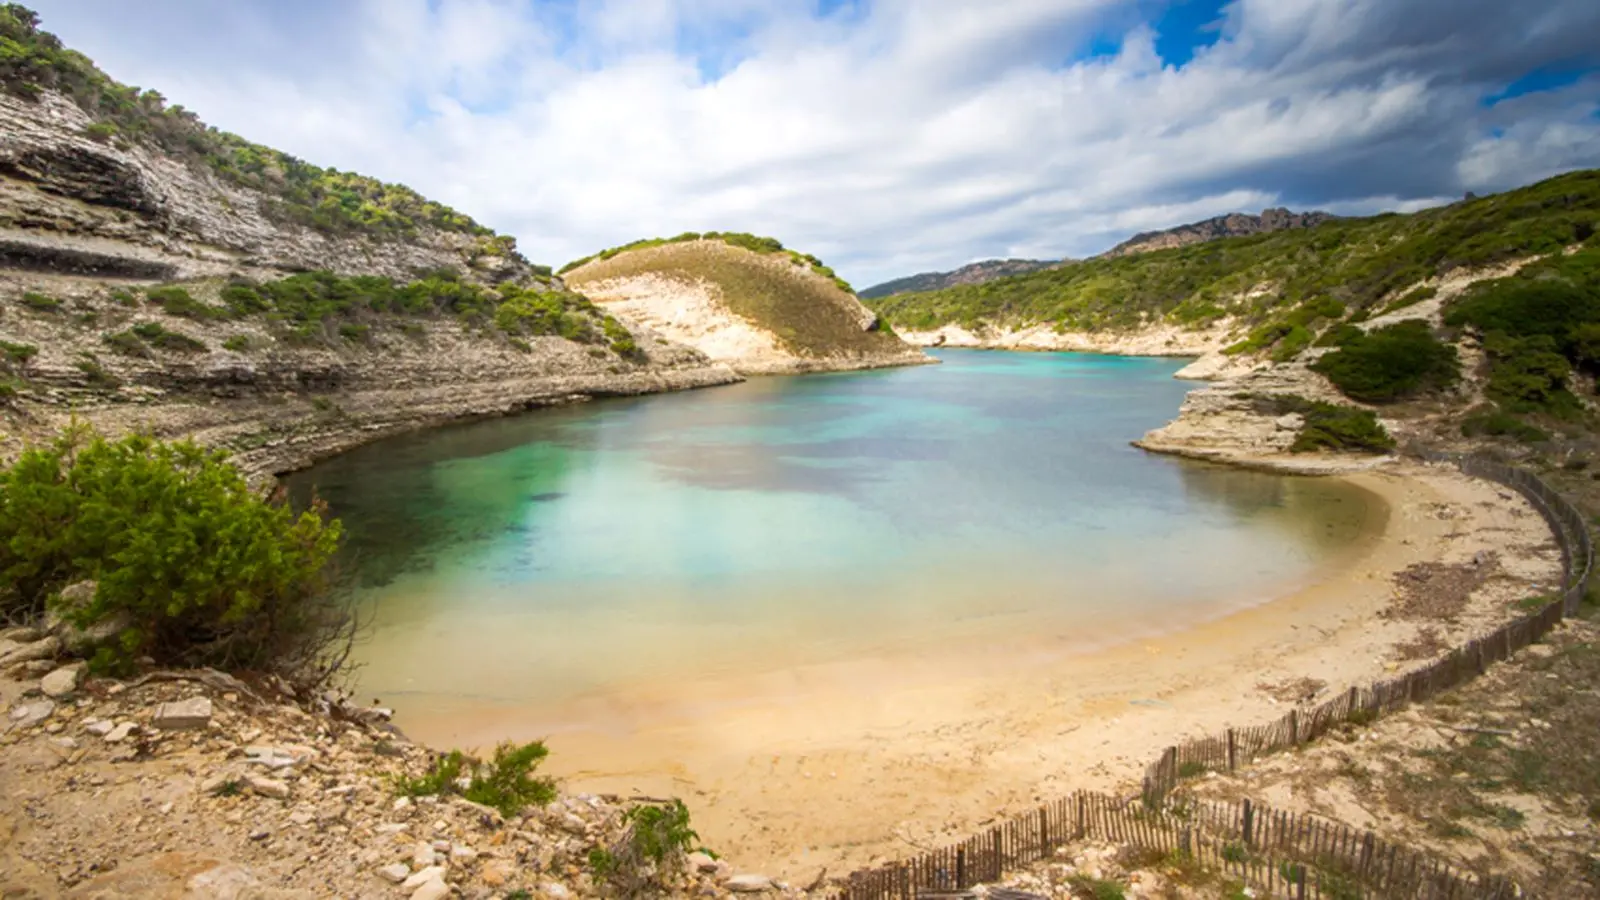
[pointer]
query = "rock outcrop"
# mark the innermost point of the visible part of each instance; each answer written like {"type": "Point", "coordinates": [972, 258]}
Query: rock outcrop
{"type": "Point", "coordinates": [1231, 225]}
{"type": "Point", "coordinates": [972, 273]}
{"type": "Point", "coordinates": [758, 313]}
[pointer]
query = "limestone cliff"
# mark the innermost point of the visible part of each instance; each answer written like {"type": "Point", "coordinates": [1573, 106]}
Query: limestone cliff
{"type": "Point", "coordinates": [760, 313]}
{"type": "Point", "coordinates": [1231, 225]}
{"type": "Point", "coordinates": [148, 281]}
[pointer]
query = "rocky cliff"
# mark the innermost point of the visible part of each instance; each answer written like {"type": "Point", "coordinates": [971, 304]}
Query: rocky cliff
{"type": "Point", "coordinates": [147, 280]}
{"type": "Point", "coordinates": [758, 312]}
{"type": "Point", "coordinates": [1231, 225]}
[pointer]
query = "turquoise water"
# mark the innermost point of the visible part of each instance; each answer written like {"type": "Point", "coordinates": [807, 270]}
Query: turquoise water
{"type": "Point", "coordinates": [573, 552]}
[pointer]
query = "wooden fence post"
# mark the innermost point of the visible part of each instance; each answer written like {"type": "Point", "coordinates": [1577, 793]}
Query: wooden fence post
{"type": "Point", "coordinates": [1294, 727]}
{"type": "Point", "coordinates": [1249, 820]}
{"type": "Point", "coordinates": [1233, 751]}
{"type": "Point", "coordinates": [961, 868]}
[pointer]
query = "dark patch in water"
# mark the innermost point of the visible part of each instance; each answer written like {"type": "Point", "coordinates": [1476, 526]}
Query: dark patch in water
{"type": "Point", "coordinates": [547, 496]}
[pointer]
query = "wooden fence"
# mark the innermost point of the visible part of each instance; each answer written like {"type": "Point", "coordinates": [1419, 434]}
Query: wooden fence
{"type": "Point", "coordinates": [1235, 747]}
{"type": "Point", "coordinates": [1283, 854]}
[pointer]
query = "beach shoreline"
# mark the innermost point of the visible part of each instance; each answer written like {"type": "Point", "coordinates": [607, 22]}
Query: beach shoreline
{"type": "Point", "coordinates": [840, 766]}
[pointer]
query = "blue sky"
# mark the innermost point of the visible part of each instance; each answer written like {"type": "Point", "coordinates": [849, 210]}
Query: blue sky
{"type": "Point", "coordinates": [886, 136]}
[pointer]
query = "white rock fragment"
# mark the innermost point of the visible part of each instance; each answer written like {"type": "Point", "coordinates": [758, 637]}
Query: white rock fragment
{"type": "Point", "coordinates": [395, 873]}
{"type": "Point", "coordinates": [194, 712]}
{"type": "Point", "coordinates": [748, 884]}
{"type": "Point", "coordinates": [433, 890]}
{"type": "Point", "coordinates": [267, 787]}
{"type": "Point", "coordinates": [120, 733]}
{"type": "Point", "coordinates": [423, 876]}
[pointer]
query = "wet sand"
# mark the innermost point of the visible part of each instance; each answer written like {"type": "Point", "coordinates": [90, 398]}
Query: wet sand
{"type": "Point", "coordinates": [840, 764]}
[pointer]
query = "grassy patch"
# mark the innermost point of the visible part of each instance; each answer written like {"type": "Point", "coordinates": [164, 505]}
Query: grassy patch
{"type": "Point", "coordinates": [1327, 426]}
{"type": "Point", "coordinates": [41, 302]}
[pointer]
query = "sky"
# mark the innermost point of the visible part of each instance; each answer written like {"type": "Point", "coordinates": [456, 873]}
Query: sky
{"type": "Point", "coordinates": [886, 136]}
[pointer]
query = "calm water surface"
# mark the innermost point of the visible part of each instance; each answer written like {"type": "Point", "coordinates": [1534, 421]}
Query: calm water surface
{"type": "Point", "coordinates": [573, 552]}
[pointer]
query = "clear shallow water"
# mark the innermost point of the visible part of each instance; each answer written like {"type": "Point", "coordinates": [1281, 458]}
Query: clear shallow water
{"type": "Point", "coordinates": [573, 553]}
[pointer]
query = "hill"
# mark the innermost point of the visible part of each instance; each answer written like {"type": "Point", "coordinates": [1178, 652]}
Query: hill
{"type": "Point", "coordinates": [742, 300]}
{"type": "Point", "coordinates": [974, 273]}
{"type": "Point", "coordinates": [1231, 225]}
{"type": "Point", "coordinates": [161, 275]}
{"type": "Point", "coordinates": [1276, 290]}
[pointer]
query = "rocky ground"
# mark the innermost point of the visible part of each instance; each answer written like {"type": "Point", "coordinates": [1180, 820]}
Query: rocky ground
{"type": "Point", "coordinates": [197, 785]}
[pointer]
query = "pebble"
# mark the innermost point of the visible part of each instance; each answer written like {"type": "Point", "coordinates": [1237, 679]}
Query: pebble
{"type": "Point", "coordinates": [423, 876]}
{"type": "Point", "coordinates": [267, 787]}
{"type": "Point", "coordinates": [748, 884]}
{"type": "Point", "coordinates": [433, 890]}
{"type": "Point", "coordinates": [422, 855]}
{"type": "Point", "coordinates": [462, 853]}
{"type": "Point", "coordinates": [30, 714]}
{"type": "Point", "coordinates": [98, 727]}
{"type": "Point", "coordinates": [395, 873]}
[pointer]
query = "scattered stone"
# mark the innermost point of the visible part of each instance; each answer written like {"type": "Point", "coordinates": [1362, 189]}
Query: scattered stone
{"type": "Point", "coordinates": [433, 890]}
{"type": "Point", "coordinates": [497, 872]}
{"type": "Point", "coordinates": [422, 855]}
{"type": "Point", "coordinates": [748, 884]}
{"type": "Point", "coordinates": [395, 873]}
{"type": "Point", "coordinates": [22, 634]}
{"type": "Point", "coordinates": [192, 713]}
{"type": "Point", "coordinates": [98, 727]}
{"type": "Point", "coordinates": [260, 834]}
{"type": "Point", "coordinates": [267, 787]}
{"type": "Point", "coordinates": [463, 853]}
{"type": "Point", "coordinates": [423, 876]}
{"type": "Point", "coordinates": [556, 891]}
{"type": "Point", "coordinates": [120, 733]}
{"type": "Point", "coordinates": [701, 862]}
{"type": "Point", "coordinates": [61, 682]}
{"type": "Point", "coordinates": [45, 648]}
{"type": "Point", "coordinates": [442, 846]}
{"type": "Point", "coordinates": [231, 880]}
{"type": "Point", "coordinates": [30, 714]}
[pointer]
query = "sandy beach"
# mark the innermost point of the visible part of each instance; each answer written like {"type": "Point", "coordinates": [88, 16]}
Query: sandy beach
{"type": "Point", "coordinates": [840, 765]}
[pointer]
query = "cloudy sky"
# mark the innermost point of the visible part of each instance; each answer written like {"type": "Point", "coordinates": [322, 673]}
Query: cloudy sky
{"type": "Point", "coordinates": [886, 136]}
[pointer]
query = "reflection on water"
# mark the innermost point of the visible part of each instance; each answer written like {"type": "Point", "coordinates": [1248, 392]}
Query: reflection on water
{"type": "Point", "coordinates": [784, 521]}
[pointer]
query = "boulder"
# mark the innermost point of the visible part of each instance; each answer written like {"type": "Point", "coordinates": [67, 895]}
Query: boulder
{"type": "Point", "coordinates": [61, 682]}
{"type": "Point", "coordinates": [194, 712]}
{"type": "Point", "coordinates": [701, 862]}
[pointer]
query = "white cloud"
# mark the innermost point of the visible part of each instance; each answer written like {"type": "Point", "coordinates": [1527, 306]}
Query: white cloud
{"type": "Point", "coordinates": [904, 136]}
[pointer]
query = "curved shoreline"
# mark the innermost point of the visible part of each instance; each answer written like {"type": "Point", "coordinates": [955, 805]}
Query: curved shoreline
{"type": "Point", "coordinates": [839, 766]}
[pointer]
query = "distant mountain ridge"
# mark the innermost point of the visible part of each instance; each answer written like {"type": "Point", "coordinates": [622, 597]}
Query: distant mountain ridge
{"type": "Point", "coordinates": [974, 273]}
{"type": "Point", "coordinates": [1230, 225]}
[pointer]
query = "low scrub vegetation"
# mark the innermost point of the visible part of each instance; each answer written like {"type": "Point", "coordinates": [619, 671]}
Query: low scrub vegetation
{"type": "Point", "coordinates": [1327, 426]}
{"type": "Point", "coordinates": [1539, 327]}
{"type": "Point", "coordinates": [1263, 279]}
{"type": "Point", "coordinates": [506, 782]}
{"type": "Point", "coordinates": [188, 564]}
{"type": "Point", "coordinates": [1394, 363]}
{"type": "Point", "coordinates": [32, 61]}
{"type": "Point", "coordinates": [657, 838]}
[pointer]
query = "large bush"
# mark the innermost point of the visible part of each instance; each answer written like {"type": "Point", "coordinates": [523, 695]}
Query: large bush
{"type": "Point", "coordinates": [192, 565]}
{"type": "Point", "coordinates": [1393, 363]}
{"type": "Point", "coordinates": [1326, 426]}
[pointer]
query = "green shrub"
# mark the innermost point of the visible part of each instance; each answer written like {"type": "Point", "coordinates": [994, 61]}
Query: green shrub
{"type": "Point", "coordinates": [177, 301]}
{"type": "Point", "coordinates": [1411, 298]}
{"type": "Point", "coordinates": [1326, 426]}
{"type": "Point", "coordinates": [350, 331]}
{"type": "Point", "coordinates": [1392, 363]}
{"type": "Point", "coordinates": [101, 132]}
{"type": "Point", "coordinates": [238, 343]}
{"type": "Point", "coordinates": [124, 297]}
{"type": "Point", "coordinates": [506, 782]}
{"type": "Point", "coordinates": [195, 566]}
{"type": "Point", "coordinates": [1340, 335]}
{"type": "Point", "coordinates": [1499, 423]}
{"type": "Point", "coordinates": [17, 354]}
{"type": "Point", "coordinates": [622, 342]}
{"type": "Point", "coordinates": [1097, 888]}
{"type": "Point", "coordinates": [126, 343]}
{"type": "Point", "coordinates": [96, 374]}
{"type": "Point", "coordinates": [1529, 375]}
{"type": "Point", "coordinates": [652, 846]}
{"type": "Point", "coordinates": [40, 302]}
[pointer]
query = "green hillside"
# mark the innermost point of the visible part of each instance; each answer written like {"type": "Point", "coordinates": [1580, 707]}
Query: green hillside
{"type": "Point", "coordinates": [1304, 281]}
{"type": "Point", "coordinates": [753, 242]}
{"type": "Point", "coordinates": [33, 61]}
{"type": "Point", "coordinates": [809, 310]}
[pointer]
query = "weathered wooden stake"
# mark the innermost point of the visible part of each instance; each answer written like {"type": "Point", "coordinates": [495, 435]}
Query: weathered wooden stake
{"type": "Point", "coordinates": [1233, 751]}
